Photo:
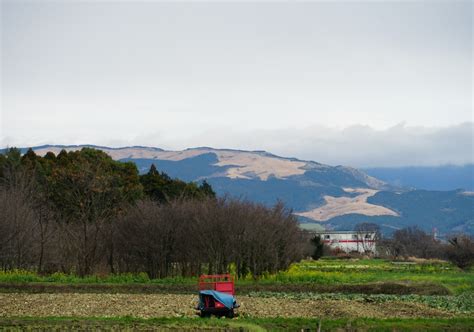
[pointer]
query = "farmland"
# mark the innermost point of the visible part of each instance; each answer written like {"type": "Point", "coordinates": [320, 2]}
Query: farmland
{"type": "Point", "coordinates": [356, 294]}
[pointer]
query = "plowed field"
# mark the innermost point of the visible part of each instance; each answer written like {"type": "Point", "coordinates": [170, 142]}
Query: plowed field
{"type": "Point", "coordinates": [181, 305]}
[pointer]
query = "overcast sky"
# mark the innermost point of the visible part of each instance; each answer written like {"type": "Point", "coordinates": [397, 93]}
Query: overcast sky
{"type": "Point", "coordinates": [356, 83]}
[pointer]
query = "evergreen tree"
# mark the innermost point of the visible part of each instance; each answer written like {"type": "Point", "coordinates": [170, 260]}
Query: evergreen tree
{"type": "Point", "coordinates": [207, 190]}
{"type": "Point", "coordinates": [160, 187]}
{"type": "Point", "coordinates": [154, 184]}
{"type": "Point", "coordinates": [318, 247]}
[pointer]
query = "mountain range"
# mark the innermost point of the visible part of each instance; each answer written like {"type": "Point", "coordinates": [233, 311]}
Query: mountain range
{"type": "Point", "coordinates": [336, 197]}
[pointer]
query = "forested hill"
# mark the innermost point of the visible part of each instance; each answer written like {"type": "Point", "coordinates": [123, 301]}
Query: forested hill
{"type": "Point", "coordinates": [95, 166]}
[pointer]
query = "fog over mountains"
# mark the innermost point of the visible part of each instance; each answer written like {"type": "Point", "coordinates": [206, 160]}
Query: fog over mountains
{"type": "Point", "coordinates": [333, 196]}
{"type": "Point", "coordinates": [444, 177]}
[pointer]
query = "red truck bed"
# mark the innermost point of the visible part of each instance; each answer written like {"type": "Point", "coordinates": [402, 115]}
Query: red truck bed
{"type": "Point", "coordinates": [219, 282]}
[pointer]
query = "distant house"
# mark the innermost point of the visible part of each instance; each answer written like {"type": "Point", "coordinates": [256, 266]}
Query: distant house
{"type": "Point", "coordinates": [349, 241]}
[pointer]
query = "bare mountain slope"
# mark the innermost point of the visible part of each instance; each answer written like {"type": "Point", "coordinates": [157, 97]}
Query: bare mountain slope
{"type": "Point", "coordinates": [338, 206]}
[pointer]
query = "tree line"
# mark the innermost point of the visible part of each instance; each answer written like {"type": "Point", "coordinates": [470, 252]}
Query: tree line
{"type": "Point", "coordinates": [405, 243]}
{"type": "Point", "coordinates": [82, 212]}
{"type": "Point", "coordinates": [414, 242]}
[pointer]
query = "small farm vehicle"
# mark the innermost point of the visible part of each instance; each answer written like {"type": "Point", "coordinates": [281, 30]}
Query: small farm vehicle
{"type": "Point", "coordinates": [216, 295]}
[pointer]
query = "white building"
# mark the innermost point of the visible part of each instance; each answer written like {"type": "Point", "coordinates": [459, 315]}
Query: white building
{"type": "Point", "coordinates": [349, 241]}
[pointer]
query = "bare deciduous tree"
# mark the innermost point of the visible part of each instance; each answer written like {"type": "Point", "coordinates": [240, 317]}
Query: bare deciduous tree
{"type": "Point", "coordinates": [460, 251]}
{"type": "Point", "coordinates": [188, 237]}
{"type": "Point", "coordinates": [368, 234]}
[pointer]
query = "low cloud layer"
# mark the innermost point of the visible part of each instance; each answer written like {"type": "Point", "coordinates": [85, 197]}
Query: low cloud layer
{"type": "Point", "coordinates": [401, 145]}
{"type": "Point", "coordinates": [358, 146]}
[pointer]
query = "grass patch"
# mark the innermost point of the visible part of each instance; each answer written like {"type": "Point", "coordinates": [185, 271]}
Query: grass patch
{"type": "Point", "coordinates": [25, 276]}
{"type": "Point", "coordinates": [239, 324]}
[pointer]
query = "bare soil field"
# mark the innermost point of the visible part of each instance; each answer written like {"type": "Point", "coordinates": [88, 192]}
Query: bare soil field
{"type": "Point", "coordinates": [181, 305]}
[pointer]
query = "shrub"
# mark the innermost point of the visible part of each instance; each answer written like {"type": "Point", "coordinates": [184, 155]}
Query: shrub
{"type": "Point", "coordinates": [318, 247]}
{"type": "Point", "coordinates": [460, 251]}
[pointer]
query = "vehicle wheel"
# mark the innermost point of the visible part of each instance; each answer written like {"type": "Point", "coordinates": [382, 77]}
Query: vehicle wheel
{"type": "Point", "coordinates": [205, 314]}
{"type": "Point", "coordinates": [230, 313]}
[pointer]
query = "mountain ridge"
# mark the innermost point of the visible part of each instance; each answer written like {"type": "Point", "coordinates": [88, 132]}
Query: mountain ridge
{"type": "Point", "coordinates": [129, 152]}
{"type": "Point", "coordinates": [336, 197]}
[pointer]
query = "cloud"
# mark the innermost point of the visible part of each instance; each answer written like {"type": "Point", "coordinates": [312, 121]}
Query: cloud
{"type": "Point", "coordinates": [232, 75]}
{"type": "Point", "coordinates": [358, 145]}
{"type": "Point", "coordinates": [399, 145]}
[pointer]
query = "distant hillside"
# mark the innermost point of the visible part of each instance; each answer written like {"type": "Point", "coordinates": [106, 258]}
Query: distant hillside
{"type": "Point", "coordinates": [445, 211]}
{"type": "Point", "coordinates": [447, 177]}
{"type": "Point", "coordinates": [334, 196]}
